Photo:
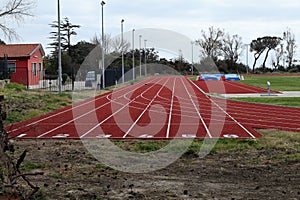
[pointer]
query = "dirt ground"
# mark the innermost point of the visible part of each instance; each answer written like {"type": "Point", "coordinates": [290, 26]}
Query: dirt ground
{"type": "Point", "coordinates": [72, 173]}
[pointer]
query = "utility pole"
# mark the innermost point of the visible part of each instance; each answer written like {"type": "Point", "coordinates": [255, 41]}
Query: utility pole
{"type": "Point", "coordinates": [59, 51]}
{"type": "Point", "coordinates": [103, 63]}
{"type": "Point", "coordinates": [140, 45]}
{"type": "Point", "coordinates": [122, 43]}
{"type": "Point", "coordinates": [145, 41]}
{"type": "Point", "coordinates": [133, 51]}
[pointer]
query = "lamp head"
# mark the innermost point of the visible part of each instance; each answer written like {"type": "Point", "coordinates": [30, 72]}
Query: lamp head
{"type": "Point", "coordinates": [102, 3]}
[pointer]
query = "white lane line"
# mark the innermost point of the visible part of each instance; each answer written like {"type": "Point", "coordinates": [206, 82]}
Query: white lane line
{"type": "Point", "coordinates": [232, 118]}
{"type": "Point", "coordinates": [189, 136]}
{"type": "Point", "coordinates": [61, 136]}
{"type": "Point", "coordinates": [146, 136]}
{"type": "Point", "coordinates": [101, 136]}
{"type": "Point", "coordinates": [62, 112]}
{"type": "Point", "coordinates": [116, 112]}
{"type": "Point", "coordinates": [231, 136]}
{"type": "Point", "coordinates": [22, 135]}
{"type": "Point", "coordinates": [136, 121]}
{"type": "Point", "coordinates": [171, 110]}
{"type": "Point", "coordinates": [197, 110]}
{"type": "Point", "coordinates": [78, 117]}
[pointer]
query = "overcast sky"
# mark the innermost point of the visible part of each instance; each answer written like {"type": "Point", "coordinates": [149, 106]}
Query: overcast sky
{"type": "Point", "coordinates": [249, 18]}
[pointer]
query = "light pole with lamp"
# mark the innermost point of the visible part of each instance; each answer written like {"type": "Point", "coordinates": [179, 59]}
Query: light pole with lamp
{"type": "Point", "coordinates": [102, 47]}
{"type": "Point", "coordinates": [145, 41]}
{"type": "Point", "coordinates": [59, 50]}
{"type": "Point", "coordinates": [133, 51]}
{"type": "Point", "coordinates": [140, 45]}
{"type": "Point", "coordinates": [247, 57]}
{"type": "Point", "coordinates": [122, 43]}
{"type": "Point", "coordinates": [192, 57]}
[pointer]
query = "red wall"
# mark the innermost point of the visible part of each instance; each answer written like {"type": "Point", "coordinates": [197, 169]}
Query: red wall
{"type": "Point", "coordinates": [20, 76]}
{"type": "Point", "coordinates": [24, 73]}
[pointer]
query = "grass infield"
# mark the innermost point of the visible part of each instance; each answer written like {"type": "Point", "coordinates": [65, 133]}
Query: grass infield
{"type": "Point", "coordinates": [286, 101]}
{"type": "Point", "coordinates": [278, 83]}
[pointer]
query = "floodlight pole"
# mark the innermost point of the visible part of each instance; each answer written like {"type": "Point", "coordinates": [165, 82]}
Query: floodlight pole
{"type": "Point", "coordinates": [102, 47]}
{"type": "Point", "coordinates": [140, 47]}
{"type": "Point", "coordinates": [59, 50]}
{"type": "Point", "coordinates": [192, 57]}
{"type": "Point", "coordinates": [247, 57]}
{"type": "Point", "coordinates": [122, 43]}
{"type": "Point", "coordinates": [133, 51]}
{"type": "Point", "coordinates": [145, 41]}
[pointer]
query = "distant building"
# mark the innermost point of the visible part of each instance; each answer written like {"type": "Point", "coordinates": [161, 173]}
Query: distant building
{"type": "Point", "coordinates": [23, 63]}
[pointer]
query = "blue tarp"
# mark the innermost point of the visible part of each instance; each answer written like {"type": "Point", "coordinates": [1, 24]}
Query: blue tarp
{"type": "Point", "coordinates": [228, 77]}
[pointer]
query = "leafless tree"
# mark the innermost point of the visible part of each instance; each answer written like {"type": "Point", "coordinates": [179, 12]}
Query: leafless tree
{"type": "Point", "coordinates": [14, 11]}
{"type": "Point", "coordinates": [291, 46]}
{"type": "Point", "coordinates": [111, 45]}
{"type": "Point", "coordinates": [232, 47]}
{"type": "Point", "coordinates": [97, 40]}
{"type": "Point", "coordinates": [117, 45]}
{"type": "Point", "coordinates": [279, 52]}
{"type": "Point", "coordinates": [211, 42]}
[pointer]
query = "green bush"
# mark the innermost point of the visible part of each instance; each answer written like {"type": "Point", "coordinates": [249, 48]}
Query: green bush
{"type": "Point", "coordinates": [64, 78]}
{"type": "Point", "coordinates": [15, 87]}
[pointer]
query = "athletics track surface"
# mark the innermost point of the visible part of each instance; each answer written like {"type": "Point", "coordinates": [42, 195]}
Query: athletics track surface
{"type": "Point", "coordinates": [161, 108]}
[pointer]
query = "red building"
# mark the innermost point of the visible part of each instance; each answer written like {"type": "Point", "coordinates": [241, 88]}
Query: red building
{"type": "Point", "coordinates": [24, 62]}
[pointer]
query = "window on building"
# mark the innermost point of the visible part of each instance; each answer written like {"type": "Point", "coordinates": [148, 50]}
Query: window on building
{"type": "Point", "coordinates": [34, 69]}
{"type": "Point", "coordinates": [40, 67]}
{"type": "Point", "coordinates": [11, 67]}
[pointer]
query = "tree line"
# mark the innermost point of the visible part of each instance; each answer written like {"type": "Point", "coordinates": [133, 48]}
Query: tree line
{"type": "Point", "coordinates": [225, 48]}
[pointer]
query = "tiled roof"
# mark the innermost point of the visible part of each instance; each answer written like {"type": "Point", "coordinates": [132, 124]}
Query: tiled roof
{"type": "Point", "coordinates": [19, 50]}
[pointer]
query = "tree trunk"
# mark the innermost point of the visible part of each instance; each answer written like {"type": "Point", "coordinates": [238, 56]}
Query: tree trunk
{"type": "Point", "coordinates": [253, 68]}
{"type": "Point", "coordinates": [256, 57]}
{"type": "Point", "coordinates": [264, 63]}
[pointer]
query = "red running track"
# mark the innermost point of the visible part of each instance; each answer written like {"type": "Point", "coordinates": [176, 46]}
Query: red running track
{"type": "Point", "coordinates": [158, 108]}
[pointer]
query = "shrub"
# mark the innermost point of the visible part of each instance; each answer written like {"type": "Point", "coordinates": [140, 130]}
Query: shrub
{"type": "Point", "coordinates": [15, 87]}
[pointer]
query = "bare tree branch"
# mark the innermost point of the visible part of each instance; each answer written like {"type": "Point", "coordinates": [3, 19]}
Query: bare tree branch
{"type": "Point", "coordinates": [14, 11]}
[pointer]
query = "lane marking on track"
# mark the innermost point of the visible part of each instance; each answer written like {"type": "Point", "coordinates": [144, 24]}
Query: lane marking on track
{"type": "Point", "coordinates": [197, 110]}
{"type": "Point", "coordinates": [171, 110]}
{"type": "Point", "coordinates": [67, 110]}
{"type": "Point", "coordinates": [136, 121]}
{"type": "Point", "coordinates": [146, 136]}
{"type": "Point", "coordinates": [101, 136]}
{"type": "Point", "coordinates": [76, 118]}
{"type": "Point", "coordinates": [22, 135]}
{"type": "Point", "coordinates": [189, 135]}
{"type": "Point", "coordinates": [232, 118]}
{"type": "Point", "coordinates": [230, 136]}
{"type": "Point", "coordinates": [116, 112]}
{"type": "Point", "coordinates": [61, 136]}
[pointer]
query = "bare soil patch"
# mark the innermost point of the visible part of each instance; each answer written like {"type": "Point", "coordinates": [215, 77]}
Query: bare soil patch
{"type": "Point", "coordinates": [72, 173]}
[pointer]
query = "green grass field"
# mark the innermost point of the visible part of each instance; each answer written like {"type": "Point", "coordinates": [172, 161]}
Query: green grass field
{"type": "Point", "coordinates": [286, 101]}
{"type": "Point", "coordinates": [278, 83]}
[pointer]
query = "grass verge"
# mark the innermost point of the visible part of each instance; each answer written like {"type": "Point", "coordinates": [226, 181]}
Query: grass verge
{"type": "Point", "coordinates": [286, 101]}
{"type": "Point", "coordinates": [21, 104]}
{"type": "Point", "coordinates": [286, 144]}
